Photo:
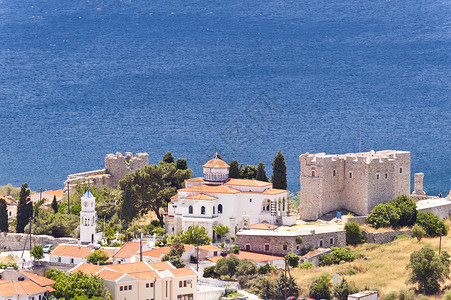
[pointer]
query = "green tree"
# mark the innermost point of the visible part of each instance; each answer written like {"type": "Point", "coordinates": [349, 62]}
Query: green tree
{"type": "Point", "coordinates": [418, 232]}
{"type": "Point", "coordinates": [292, 260]}
{"type": "Point", "coordinates": [320, 287]}
{"type": "Point", "coordinates": [384, 215]}
{"type": "Point", "coordinates": [261, 173]}
{"type": "Point", "coordinates": [54, 205]}
{"type": "Point", "coordinates": [234, 170]}
{"type": "Point", "coordinates": [428, 269]}
{"type": "Point", "coordinates": [266, 269]}
{"type": "Point", "coordinates": [78, 286]}
{"type": "Point", "coordinates": [175, 253]}
{"type": "Point", "coordinates": [98, 256]}
{"type": "Point", "coordinates": [151, 188]}
{"type": "Point", "coordinates": [246, 267]}
{"type": "Point", "coordinates": [284, 287]}
{"type": "Point", "coordinates": [336, 255]}
{"type": "Point", "coordinates": [248, 172]}
{"type": "Point", "coordinates": [354, 234]}
{"type": "Point", "coordinates": [3, 216]}
{"type": "Point", "coordinates": [181, 164]}
{"type": "Point", "coordinates": [168, 157]}
{"type": "Point", "coordinates": [279, 177]}
{"type": "Point", "coordinates": [342, 290]}
{"type": "Point", "coordinates": [227, 266]}
{"type": "Point", "coordinates": [431, 224]}
{"type": "Point", "coordinates": [37, 252]}
{"type": "Point", "coordinates": [221, 230]}
{"type": "Point", "coordinates": [195, 235]}
{"type": "Point", "coordinates": [407, 210]}
{"type": "Point", "coordinates": [24, 208]}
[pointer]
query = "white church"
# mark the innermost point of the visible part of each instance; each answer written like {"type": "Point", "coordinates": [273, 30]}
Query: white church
{"type": "Point", "coordinates": [88, 219]}
{"type": "Point", "coordinates": [216, 199]}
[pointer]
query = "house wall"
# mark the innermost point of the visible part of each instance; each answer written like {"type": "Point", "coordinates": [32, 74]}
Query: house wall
{"type": "Point", "coordinates": [67, 260]}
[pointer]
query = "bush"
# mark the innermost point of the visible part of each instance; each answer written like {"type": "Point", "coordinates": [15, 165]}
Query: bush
{"type": "Point", "coordinates": [246, 267]}
{"type": "Point", "coordinates": [407, 210]}
{"type": "Point", "coordinates": [407, 295]}
{"type": "Point", "coordinates": [390, 296]}
{"type": "Point", "coordinates": [448, 295]}
{"type": "Point", "coordinates": [342, 290]}
{"type": "Point", "coordinates": [306, 265]}
{"type": "Point", "coordinates": [209, 272]}
{"type": "Point", "coordinates": [336, 256]}
{"type": "Point", "coordinates": [320, 287]}
{"type": "Point", "coordinates": [98, 256]}
{"type": "Point", "coordinates": [353, 233]}
{"type": "Point", "coordinates": [266, 269]}
{"type": "Point", "coordinates": [384, 215]}
{"type": "Point", "coordinates": [418, 232]}
{"type": "Point", "coordinates": [431, 224]}
{"type": "Point", "coordinates": [227, 266]}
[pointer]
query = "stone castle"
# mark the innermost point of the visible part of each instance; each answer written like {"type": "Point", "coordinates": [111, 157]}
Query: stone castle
{"type": "Point", "coordinates": [356, 182]}
{"type": "Point", "coordinates": [116, 167]}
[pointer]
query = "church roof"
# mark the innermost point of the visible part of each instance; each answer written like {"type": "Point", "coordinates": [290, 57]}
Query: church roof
{"type": "Point", "coordinates": [247, 182]}
{"type": "Point", "coordinates": [200, 197]}
{"type": "Point", "coordinates": [88, 194]}
{"type": "Point", "coordinates": [274, 191]}
{"type": "Point", "coordinates": [210, 189]}
{"type": "Point", "coordinates": [216, 163]}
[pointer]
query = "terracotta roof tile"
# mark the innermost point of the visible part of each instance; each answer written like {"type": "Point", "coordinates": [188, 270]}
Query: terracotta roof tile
{"type": "Point", "coordinates": [160, 266]}
{"type": "Point", "coordinates": [146, 275]}
{"type": "Point", "coordinates": [26, 287]}
{"type": "Point", "coordinates": [274, 192]}
{"type": "Point", "coordinates": [247, 182]}
{"type": "Point", "coordinates": [316, 252]}
{"type": "Point", "coordinates": [157, 252]}
{"type": "Point", "coordinates": [57, 193]}
{"type": "Point", "coordinates": [200, 197]}
{"type": "Point", "coordinates": [109, 274]}
{"type": "Point", "coordinates": [128, 250]}
{"type": "Point", "coordinates": [183, 272]}
{"type": "Point", "coordinates": [130, 267]}
{"type": "Point", "coordinates": [175, 197]}
{"type": "Point", "coordinates": [195, 179]}
{"type": "Point", "coordinates": [210, 189]}
{"type": "Point", "coordinates": [87, 269]}
{"type": "Point", "coordinates": [209, 248]}
{"type": "Point", "coordinates": [42, 281]}
{"type": "Point", "coordinates": [216, 163]}
{"type": "Point", "coordinates": [71, 251]}
{"type": "Point", "coordinates": [214, 258]}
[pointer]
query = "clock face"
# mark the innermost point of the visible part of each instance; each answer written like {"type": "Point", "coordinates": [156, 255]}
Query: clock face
{"type": "Point", "coordinates": [85, 204]}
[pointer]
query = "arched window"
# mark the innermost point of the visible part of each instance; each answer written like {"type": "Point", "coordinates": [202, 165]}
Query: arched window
{"type": "Point", "coordinates": [190, 209]}
{"type": "Point", "coordinates": [202, 210]}
{"type": "Point", "coordinates": [220, 209]}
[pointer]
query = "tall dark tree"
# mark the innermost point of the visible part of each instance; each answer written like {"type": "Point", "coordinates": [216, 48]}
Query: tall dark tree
{"type": "Point", "coordinates": [3, 216]}
{"type": "Point", "coordinates": [279, 174]}
{"type": "Point", "coordinates": [24, 208]}
{"type": "Point", "coordinates": [248, 172]}
{"type": "Point", "coordinates": [168, 157]}
{"type": "Point", "coordinates": [181, 164]}
{"type": "Point", "coordinates": [54, 205]}
{"type": "Point", "coordinates": [261, 173]}
{"type": "Point", "coordinates": [234, 170]}
{"type": "Point", "coordinates": [127, 207]}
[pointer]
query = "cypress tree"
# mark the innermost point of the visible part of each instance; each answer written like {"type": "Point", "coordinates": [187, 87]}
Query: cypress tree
{"type": "Point", "coordinates": [168, 157]}
{"type": "Point", "coordinates": [24, 208]}
{"type": "Point", "coordinates": [234, 170]}
{"type": "Point", "coordinates": [279, 175]}
{"type": "Point", "coordinates": [181, 164]}
{"type": "Point", "coordinates": [261, 173]}
{"type": "Point", "coordinates": [3, 216]}
{"type": "Point", "coordinates": [54, 205]}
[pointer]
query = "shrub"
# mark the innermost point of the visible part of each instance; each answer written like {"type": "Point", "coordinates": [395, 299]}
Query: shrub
{"type": "Point", "coordinates": [266, 269]}
{"type": "Point", "coordinates": [448, 295]}
{"type": "Point", "coordinates": [336, 255]}
{"type": "Point", "coordinates": [407, 210]}
{"type": "Point", "coordinates": [227, 266]}
{"type": "Point", "coordinates": [342, 290]}
{"type": "Point", "coordinates": [98, 256]}
{"type": "Point", "coordinates": [350, 271]}
{"type": "Point", "coordinates": [407, 295]}
{"type": "Point", "coordinates": [418, 232]}
{"type": "Point", "coordinates": [209, 272]}
{"type": "Point", "coordinates": [390, 296]}
{"type": "Point", "coordinates": [320, 287]}
{"type": "Point", "coordinates": [246, 267]}
{"type": "Point", "coordinates": [431, 224]}
{"type": "Point", "coordinates": [299, 240]}
{"type": "Point", "coordinates": [306, 265]}
{"type": "Point", "coordinates": [353, 233]}
{"type": "Point", "coordinates": [384, 215]}
{"type": "Point", "coordinates": [292, 260]}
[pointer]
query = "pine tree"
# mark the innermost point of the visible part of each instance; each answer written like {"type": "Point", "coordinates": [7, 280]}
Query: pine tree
{"type": "Point", "coordinates": [279, 177]}
{"type": "Point", "coordinates": [234, 170]}
{"type": "Point", "coordinates": [168, 157]}
{"type": "Point", "coordinates": [261, 173]}
{"type": "Point", "coordinates": [3, 216]}
{"type": "Point", "coordinates": [181, 164]}
{"type": "Point", "coordinates": [54, 205]}
{"type": "Point", "coordinates": [24, 208]}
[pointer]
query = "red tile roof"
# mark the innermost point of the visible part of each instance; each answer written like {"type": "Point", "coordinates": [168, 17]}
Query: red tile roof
{"type": "Point", "coordinates": [146, 275]}
{"type": "Point", "coordinates": [274, 192]}
{"type": "Point", "coordinates": [182, 272]}
{"type": "Point", "coordinates": [57, 193]}
{"type": "Point", "coordinates": [216, 163]}
{"type": "Point", "coordinates": [87, 269]}
{"type": "Point", "coordinates": [247, 182]}
{"type": "Point", "coordinates": [26, 287]}
{"type": "Point", "coordinates": [209, 248]}
{"type": "Point", "coordinates": [42, 281]}
{"type": "Point", "coordinates": [175, 197]}
{"type": "Point", "coordinates": [128, 250]}
{"type": "Point", "coordinates": [160, 266]}
{"type": "Point", "coordinates": [71, 251]}
{"type": "Point", "coordinates": [210, 189]}
{"type": "Point", "coordinates": [131, 267]}
{"type": "Point", "coordinates": [200, 197]}
{"type": "Point", "coordinates": [316, 252]}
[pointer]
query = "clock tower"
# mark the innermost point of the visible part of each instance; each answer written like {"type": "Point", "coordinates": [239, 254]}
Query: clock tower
{"type": "Point", "coordinates": [88, 218]}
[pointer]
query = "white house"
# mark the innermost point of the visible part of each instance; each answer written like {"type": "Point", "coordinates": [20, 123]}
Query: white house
{"type": "Point", "coordinates": [21, 285]}
{"type": "Point", "coordinates": [216, 199]}
{"type": "Point", "coordinates": [156, 254]}
{"type": "Point", "coordinates": [69, 254]}
{"type": "Point", "coordinates": [129, 253]}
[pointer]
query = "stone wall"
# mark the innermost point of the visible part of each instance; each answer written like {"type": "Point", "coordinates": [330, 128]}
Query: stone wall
{"type": "Point", "coordinates": [361, 220]}
{"type": "Point", "coordinates": [384, 237]}
{"type": "Point", "coordinates": [17, 241]}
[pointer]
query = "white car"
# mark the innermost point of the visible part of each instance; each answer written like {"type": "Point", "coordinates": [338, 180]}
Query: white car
{"type": "Point", "coordinates": [47, 248]}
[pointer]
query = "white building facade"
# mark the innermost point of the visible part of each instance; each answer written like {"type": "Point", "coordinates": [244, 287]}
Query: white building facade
{"type": "Point", "coordinates": [88, 218]}
{"type": "Point", "coordinates": [216, 199]}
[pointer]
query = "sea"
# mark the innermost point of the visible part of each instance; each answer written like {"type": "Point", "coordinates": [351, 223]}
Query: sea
{"type": "Point", "coordinates": [245, 79]}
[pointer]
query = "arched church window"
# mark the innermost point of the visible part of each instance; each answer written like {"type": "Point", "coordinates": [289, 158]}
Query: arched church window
{"type": "Point", "coordinates": [190, 209]}
{"type": "Point", "coordinates": [202, 210]}
{"type": "Point", "coordinates": [220, 209]}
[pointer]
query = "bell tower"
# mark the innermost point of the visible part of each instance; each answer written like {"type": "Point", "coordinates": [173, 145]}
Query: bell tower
{"type": "Point", "coordinates": [88, 218]}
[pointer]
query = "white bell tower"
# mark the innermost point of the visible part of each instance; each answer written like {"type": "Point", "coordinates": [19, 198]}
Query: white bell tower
{"type": "Point", "coordinates": [88, 218]}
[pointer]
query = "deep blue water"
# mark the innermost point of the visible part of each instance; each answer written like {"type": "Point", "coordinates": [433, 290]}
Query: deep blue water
{"type": "Point", "coordinates": [79, 80]}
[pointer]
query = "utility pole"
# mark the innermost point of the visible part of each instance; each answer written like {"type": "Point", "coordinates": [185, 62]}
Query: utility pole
{"type": "Point", "coordinates": [68, 197]}
{"type": "Point", "coordinates": [140, 246]}
{"type": "Point", "coordinates": [440, 245]}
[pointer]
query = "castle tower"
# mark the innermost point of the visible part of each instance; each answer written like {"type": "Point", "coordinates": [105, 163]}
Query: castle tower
{"type": "Point", "coordinates": [88, 219]}
{"type": "Point", "coordinates": [418, 184]}
{"type": "Point", "coordinates": [216, 171]}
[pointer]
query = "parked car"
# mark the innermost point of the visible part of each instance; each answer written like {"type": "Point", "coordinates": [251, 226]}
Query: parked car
{"type": "Point", "coordinates": [47, 248]}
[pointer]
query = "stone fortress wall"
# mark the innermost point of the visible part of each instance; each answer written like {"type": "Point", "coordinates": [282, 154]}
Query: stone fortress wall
{"type": "Point", "coordinates": [354, 181]}
{"type": "Point", "coordinates": [20, 241]}
{"type": "Point", "coordinates": [116, 167]}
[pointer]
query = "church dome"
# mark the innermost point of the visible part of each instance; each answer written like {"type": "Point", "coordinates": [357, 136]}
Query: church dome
{"type": "Point", "coordinates": [216, 170]}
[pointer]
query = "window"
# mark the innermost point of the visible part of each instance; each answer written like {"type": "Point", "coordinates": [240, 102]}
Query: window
{"type": "Point", "coordinates": [125, 288]}
{"type": "Point", "coordinates": [121, 288]}
{"type": "Point", "coordinates": [331, 241]}
{"type": "Point", "coordinates": [377, 176]}
{"type": "Point", "coordinates": [320, 243]}
{"type": "Point", "coordinates": [400, 170]}
{"type": "Point", "coordinates": [266, 247]}
{"type": "Point", "coordinates": [285, 247]}
{"type": "Point", "coordinates": [184, 283]}
{"type": "Point", "coordinates": [250, 200]}
{"type": "Point", "coordinates": [350, 174]}
{"type": "Point", "coordinates": [215, 253]}
{"type": "Point", "coordinates": [71, 260]}
{"type": "Point", "coordinates": [313, 173]}
{"type": "Point", "coordinates": [298, 247]}
{"type": "Point", "coordinates": [333, 172]}
{"type": "Point", "coordinates": [213, 210]}
{"type": "Point", "coordinates": [147, 285]}
{"type": "Point", "coordinates": [202, 210]}
{"type": "Point", "coordinates": [59, 259]}
{"type": "Point", "coordinates": [180, 283]}
{"type": "Point", "coordinates": [190, 209]}
{"type": "Point", "coordinates": [220, 209]}
{"type": "Point", "coordinates": [248, 247]}
{"type": "Point", "coordinates": [130, 287]}
{"type": "Point", "coordinates": [386, 175]}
